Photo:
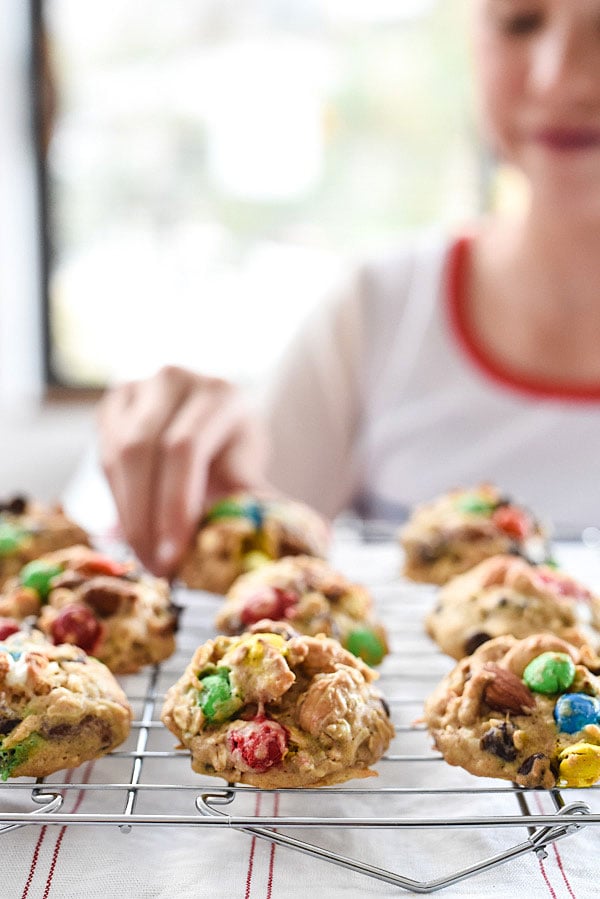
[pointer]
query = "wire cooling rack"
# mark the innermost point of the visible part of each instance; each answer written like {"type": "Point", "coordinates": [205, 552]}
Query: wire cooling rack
{"type": "Point", "coordinates": [147, 782]}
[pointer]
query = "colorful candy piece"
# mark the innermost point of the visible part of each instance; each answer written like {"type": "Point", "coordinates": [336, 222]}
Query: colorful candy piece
{"type": "Point", "coordinates": [96, 563]}
{"type": "Point", "coordinates": [513, 521]}
{"type": "Point", "coordinates": [550, 672]}
{"type": "Point", "coordinates": [255, 645]}
{"type": "Point", "coordinates": [270, 602]}
{"type": "Point", "coordinates": [258, 744]}
{"type": "Point", "coordinates": [230, 508]}
{"type": "Point", "coordinates": [8, 626]}
{"type": "Point", "coordinates": [255, 559]}
{"type": "Point", "coordinates": [37, 576]}
{"type": "Point", "coordinates": [366, 645]}
{"type": "Point", "coordinates": [579, 765]}
{"type": "Point", "coordinates": [217, 698]}
{"type": "Point", "coordinates": [475, 504]}
{"type": "Point", "coordinates": [573, 711]}
{"type": "Point", "coordinates": [11, 538]}
{"type": "Point", "coordinates": [77, 624]}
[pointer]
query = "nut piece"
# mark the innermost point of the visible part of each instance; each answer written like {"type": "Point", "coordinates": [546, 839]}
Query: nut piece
{"type": "Point", "coordinates": [506, 692]}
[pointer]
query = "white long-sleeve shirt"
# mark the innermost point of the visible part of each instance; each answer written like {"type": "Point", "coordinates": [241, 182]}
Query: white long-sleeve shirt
{"type": "Point", "coordinates": [385, 400]}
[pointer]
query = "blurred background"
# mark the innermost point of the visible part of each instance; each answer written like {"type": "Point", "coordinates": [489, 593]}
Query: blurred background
{"type": "Point", "coordinates": [182, 180]}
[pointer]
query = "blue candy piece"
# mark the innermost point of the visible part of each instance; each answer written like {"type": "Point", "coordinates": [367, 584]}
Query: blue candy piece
{"type": "Point", "coordinates": [574, 710]}
{"type": "Point", "coordinates": [253, 511]}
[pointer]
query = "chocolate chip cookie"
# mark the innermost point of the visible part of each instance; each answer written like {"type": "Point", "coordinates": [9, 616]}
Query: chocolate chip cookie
{"type": "Point", "coordinates": [508, 595]}
{"type": "Point", "coordinates": [277, 709]}
{"type": "Point", "coordinates": [110, 609]}
{"type": "Point", "coordinates": [28, 529]}
{"type": "Point", "coordinates": [58, 707]}
{"type": "Point", "coordinates": [243, 531]}
{"type": "Point", "coordinates": [461, 528]}
{"type": "Point", "coordinates": [523, 710]}
{"type": "Point", "coordinates": [313, 597]}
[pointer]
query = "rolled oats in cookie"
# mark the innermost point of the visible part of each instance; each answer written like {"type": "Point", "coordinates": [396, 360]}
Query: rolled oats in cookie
{"type": "Point", "coordinates": [312, 597]}
{"type": "Point", "coordinates": [29, 529]}
{"type": "Point", "coordinates": [454, 532]}
{"type": "Point", "coordinates": [243, 531]}
{"type": "Point", "coordinates": [108, 608]}
{"type": "Point", "coordinates": [522, 710]}
{"type": "Point", "coordinates": [58, 707]}
{"type": "Point", "coordinates": [277, 709]}
{"type": "Point", "coordinates": [508, 595]}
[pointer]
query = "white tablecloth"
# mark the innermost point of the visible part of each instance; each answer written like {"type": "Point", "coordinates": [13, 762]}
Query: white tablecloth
{"type": "Point", "coordinates": [189, 862]}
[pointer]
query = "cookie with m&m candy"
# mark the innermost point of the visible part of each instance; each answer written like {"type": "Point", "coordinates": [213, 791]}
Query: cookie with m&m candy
{"type": "Point", "coordinates": [243, 531]}
{"type": "Point", "coordinates": [313, 598]}
{"type": "Point", "coordinates": [275, 708]}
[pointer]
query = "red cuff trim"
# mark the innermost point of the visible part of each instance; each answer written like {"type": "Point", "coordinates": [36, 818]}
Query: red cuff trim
{"type": "Point", "coordinates": [457, 267]}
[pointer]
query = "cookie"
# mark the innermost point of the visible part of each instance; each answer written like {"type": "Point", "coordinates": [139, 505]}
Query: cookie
{"type": "Point", "coordinates": [454, 532]}
{"type": "Point", "coordinates": [508, 595]}
{"type": "Point", "coordinates": [315, 599]}
{"type": "Point", "coordinates": [522, 710]}
{"type": "Point", "coordinates": [241, 532]}
{"type": "Point", "coordinates": [277, 709]}
{"type": "Point", "coordinates": [58, 707]}
{"type": "Point", "coordinates": [108, 608]}
{"type": "Point", "coordinates": [28, 529]}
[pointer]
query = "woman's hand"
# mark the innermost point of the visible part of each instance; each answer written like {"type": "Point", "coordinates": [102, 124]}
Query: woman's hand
{"type": "Point", "coordinates": [169, 445]}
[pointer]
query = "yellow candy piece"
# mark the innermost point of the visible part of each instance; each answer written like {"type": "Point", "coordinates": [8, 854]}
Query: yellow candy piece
{"type": "Point", "coordinates": [255, 559]}
{"type": "Point", "coordinates": [579, 765]}
{"type": "Point", "coordinates": [255, 644]}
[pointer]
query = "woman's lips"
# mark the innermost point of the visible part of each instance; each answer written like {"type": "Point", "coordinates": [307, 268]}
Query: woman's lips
{"type": "Point", "coordinates": [568, 139]}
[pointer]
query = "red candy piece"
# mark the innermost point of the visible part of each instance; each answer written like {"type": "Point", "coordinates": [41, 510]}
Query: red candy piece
{"type": "Point", "coordinates": [257, 745]}
{"type": "Point", "coordinates": [99, 564]}
{"type": "Point", "coordinates": [272, 602]}
{"type": "Point", "coordinates": [513, 521]}
{"type": "Point", "coordinates": [564, 586]}
{"type": "Point", "coordinates": [8, 626]}
{"type": "Point", "coordinates": [76, 624]}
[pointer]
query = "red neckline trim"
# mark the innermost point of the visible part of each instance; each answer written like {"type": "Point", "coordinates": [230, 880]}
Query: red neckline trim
{"type": "Point", "coordinates": [457, 268]}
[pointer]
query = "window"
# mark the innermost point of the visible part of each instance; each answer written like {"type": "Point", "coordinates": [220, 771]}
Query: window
{"type": "Point", "coordinates": [214, 163]}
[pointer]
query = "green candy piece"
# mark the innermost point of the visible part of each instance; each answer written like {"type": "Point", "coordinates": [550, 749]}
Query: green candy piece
{"type": "Point", "coordinates": [11, 759]}
{"type": "Point", "coordinates": [227, 508]}
{"type": "Point", "coordinates": [11, 538]}
{"type": "Point", "coordinates": [475, 504]}
{"type": "Point", "coordinates": [366, 645]}
{"type": "Point", "coordinates": [217, 699]}
{"type": "Point", "coordinates": [37, 575]}
{"type": "Point", "coordinates": [550, 672]}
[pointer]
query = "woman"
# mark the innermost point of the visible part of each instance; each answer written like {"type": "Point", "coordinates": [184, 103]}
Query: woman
{"type": "Point", "coordinates": [450, 362]}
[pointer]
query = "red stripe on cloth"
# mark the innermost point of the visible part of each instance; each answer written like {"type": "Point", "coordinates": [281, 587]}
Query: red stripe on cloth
{"type": "Point", "coordinates": [545, 876]}
{"type": "Point", "coordinates": [252, 850]}
{"type": "Point", "coordinates": [273, 847]}
{"type": "Point", "coordinates": [38, 846]}
{"type": "Point", "coordinates": [80, 796]}
{"type": "Point", "coordinates": [563, 872]}
{"type": "Point", "coordinates": [34, 860]}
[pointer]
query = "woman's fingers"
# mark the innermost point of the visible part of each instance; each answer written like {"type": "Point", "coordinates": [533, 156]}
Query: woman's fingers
{"type": "Point", "coordinates": [166, 444]}
{"type": "Point", "coordinates": [195, 445]}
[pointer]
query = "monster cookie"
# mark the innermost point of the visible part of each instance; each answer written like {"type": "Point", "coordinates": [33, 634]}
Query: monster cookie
{"type": "Point", "coordinates": [315, 599]}
{"type": "Point", "coordinates": [508, 595]}
{"type": "Point", "coordinates": [120, 616]}
{"type": "Point", "coordinates": [276, 709]}
{"type": "Point", "coordinates": [456, 531]}
{"type": "Point", "coordinates": [523, 710]}
{"type": "Point", "coordinates": [241, 532]}
{"type": "Point", "coordinates": [58, 707]}
{"type": "Point", "coordinates": [28, 529]}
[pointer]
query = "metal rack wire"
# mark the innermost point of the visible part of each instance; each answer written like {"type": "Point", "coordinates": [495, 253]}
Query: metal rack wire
{"type": "Point", "coordinates": [147, 782]}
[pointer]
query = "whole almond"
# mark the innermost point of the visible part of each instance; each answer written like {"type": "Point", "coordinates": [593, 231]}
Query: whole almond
{"type": "Point", "coordinates": [506, 692]}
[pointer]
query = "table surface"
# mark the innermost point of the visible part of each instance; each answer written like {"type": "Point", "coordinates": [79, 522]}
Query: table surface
{"type": "Point", "coordinates": [424, 821]}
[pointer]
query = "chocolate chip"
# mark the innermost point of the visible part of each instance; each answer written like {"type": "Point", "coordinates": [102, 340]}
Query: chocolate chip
{"type": "Point", "coordinates": [386, 707]}
{"type": "Point", "coordinates": [427, 553]}
{"type": "Point", "coordinates": [529, 763]}
{"type": "Point", "coordinates": [476, 640]}
{"type": "Point", "coordinates": [503, 602]}
{"type": "Point", "coordinates": [16, 505]}
{"type": "Point", "coordinates": [8, 724]}
{"type": "Point", "coordinates": [499, 741]}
